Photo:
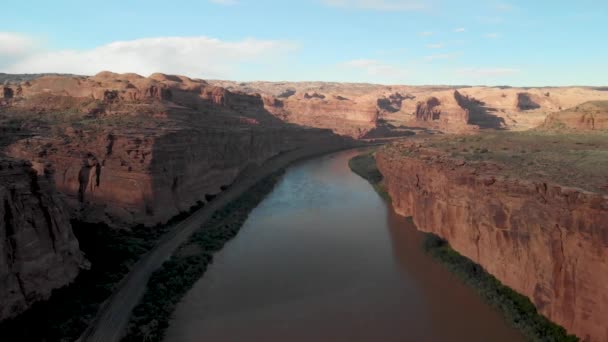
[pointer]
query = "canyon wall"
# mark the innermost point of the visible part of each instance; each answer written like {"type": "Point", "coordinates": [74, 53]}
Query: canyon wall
{"type": "Point", "coordinates": [38, 250]}
{"type": "Point", "coordinates": [446, 113]}
{"type": "Point", "coordinates": [127, 178]}
{"type": "Point", "coordinates": [321, 104]}
{"type": "Point", "coordinates": [127, 149]}
{"type": "Point", "coordinates": [545, 241]}
{"type": "Point", "coordinates": [347, 116]}
{"type": "Point", "coordinates": [588, 116]}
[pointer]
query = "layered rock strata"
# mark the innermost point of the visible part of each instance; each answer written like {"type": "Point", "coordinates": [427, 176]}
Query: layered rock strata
{"type": "Point", "coordinates": [546, 241]}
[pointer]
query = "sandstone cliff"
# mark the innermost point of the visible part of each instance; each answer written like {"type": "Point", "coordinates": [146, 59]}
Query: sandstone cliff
{"type": "Point", "coordinates": [352, 117]}
{"type": "Point", "coordinates": [446, 113]}
{"type": "Point", "coordinates": [126, 149]}
{"type": "Point", "coordinates": [545, 240]}
{"type": "Point", "coordinates": [38, 250]}
{"type": "Point", "coordinates": [589, 116]}
{"type": "Point", "coordinates": [503, 108]}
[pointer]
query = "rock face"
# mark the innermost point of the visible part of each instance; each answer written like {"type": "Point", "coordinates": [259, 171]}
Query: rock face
{"type": "Point", "coordinates": [352, 117]}
{"type": "Point", "coordinates": [428, 110]}
{"type": "Point", "coordinates": [38, 250]}
{"type": "Point", "coordinates": [525, 101]}
{"type": "Point", "coordinates": [544, 240]}
{"type": "Point", "coordinates": [124, 178]}
{"type": "Point", "coordinates": [445, 113]}
{"type": "Point", "coordinates": [589, 116]}
{"type": "Point", "coordinates": [126, 149]}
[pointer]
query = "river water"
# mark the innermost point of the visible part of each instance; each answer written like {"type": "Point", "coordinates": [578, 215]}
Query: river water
{"type": "Point", "coordinates": [324, 258]}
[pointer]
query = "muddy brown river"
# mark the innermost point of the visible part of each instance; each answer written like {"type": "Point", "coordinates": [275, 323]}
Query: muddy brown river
{"type": "Point", "coordinates": [325, 258]}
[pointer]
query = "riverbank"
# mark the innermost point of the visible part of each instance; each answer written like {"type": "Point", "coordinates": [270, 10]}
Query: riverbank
{"type": "Point", "coordinates": [365, 166]}
{"type": "Point", "coordinates": [172, 281]}
{"type": "Point", "coordinates": [517, 309]}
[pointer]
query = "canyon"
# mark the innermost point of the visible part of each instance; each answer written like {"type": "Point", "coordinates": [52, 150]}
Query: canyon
{"type": "Point", "coordinates": [127, 150]}
{"type": "Point", "coordinates": [544, 235]}
{"type": "Point", "coordinates": [122, 150]}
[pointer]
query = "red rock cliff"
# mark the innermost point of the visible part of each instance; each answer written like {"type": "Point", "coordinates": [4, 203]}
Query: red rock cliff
{"type": "Point", "coordinates": [546, 241]}
{"type": "Point", "coordinates": [124, 177]}
{"type": "Point", "coordinates": [126, 149]}
{"type": "Point", "coordinates": [38, 251]}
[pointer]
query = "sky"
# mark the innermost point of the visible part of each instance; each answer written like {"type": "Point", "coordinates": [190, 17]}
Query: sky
{"type": "Point", "coordinates": [415, 42]}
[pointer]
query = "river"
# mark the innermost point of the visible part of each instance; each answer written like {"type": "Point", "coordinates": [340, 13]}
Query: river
{"type": "Point", "coordinates": [325, 258]}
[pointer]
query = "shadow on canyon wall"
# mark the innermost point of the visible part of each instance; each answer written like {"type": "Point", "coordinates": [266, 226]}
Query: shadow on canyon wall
{"type": "Point", "coordinates": [199, 162]}
{"type": "Point", "coordinates": [479, 113]}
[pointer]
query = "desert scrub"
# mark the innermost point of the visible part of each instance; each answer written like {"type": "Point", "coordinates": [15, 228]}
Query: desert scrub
{"type": "Point", "coordinates": [173, 280]}
{"type": "Point", "coordinates": [365, 166]}
{"type": "Point", "coordinates": [517, 309]}
{"type": "Point", "coordinates": [112, 253]}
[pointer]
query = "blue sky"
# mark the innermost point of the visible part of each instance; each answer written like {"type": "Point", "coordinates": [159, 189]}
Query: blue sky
{"type": "Point", "coordinates": [514, 42]}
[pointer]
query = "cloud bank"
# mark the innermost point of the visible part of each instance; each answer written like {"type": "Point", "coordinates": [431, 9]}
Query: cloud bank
{"type": "Point", "coordinates": [378, 5]}
{"type": "Point", "coordinates": [195, 56]}
{"type": "Point", "coordinates": [376, 68]}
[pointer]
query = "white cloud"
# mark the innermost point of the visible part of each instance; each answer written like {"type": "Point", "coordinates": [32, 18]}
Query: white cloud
{"type": "Point", "coordinates": [435, 46]}
{"type": "Point", "coordinates": [224, 2]}
{"type": "Point", "coordinates": [491, 35]}
{"type": "Point", "coordinates": [425, 33]}
{"type": "Point", "coordinates": [487, 72]}
{"type": "Point", "coordinates": [193, 56]}
{"type": "Point", "coordinates": [459, 30]}
{"type": "Point", "coordinates": [504, 7]}
{"type": "Point", "coordinates": [373, 67]}
{"type": "Point", "coordinates": [440, 56]}
{"type": "Point", "coordinates": [14, 45]}
{"type": "Point", "coordinates": [492, 20]}
{"type": "Point", "coordinates": [379, 5]}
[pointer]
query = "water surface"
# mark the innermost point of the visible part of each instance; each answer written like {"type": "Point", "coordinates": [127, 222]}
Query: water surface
{"type": "Point", "coordinates": [324, 258]}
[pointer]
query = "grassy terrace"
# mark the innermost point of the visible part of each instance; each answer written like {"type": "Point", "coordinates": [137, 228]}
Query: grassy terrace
{"type": "Point", "coordinates": [517, 309]}
{"type": "Point", "coordinates": [570, 159]}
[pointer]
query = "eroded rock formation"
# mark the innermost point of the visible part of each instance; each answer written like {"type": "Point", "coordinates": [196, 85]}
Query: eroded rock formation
{"type": "Point", "coordinates": [343, 115]}
{"type": "Point", "coordinates": [590, 116]}
{"type": "Point", "coordinates": [525, 101]}
{"type": "Point", "coordinates": [38, 250]}
{"type": "Point", "coordinates": [546, 241]}
{"type": "Point", "coordinates": [490, 107]}
{"type": "Point", "coordinates": [445, 113]}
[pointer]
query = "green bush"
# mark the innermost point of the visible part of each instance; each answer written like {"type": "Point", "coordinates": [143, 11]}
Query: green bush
{"type": "Point", "coordinates": [365, 166]}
